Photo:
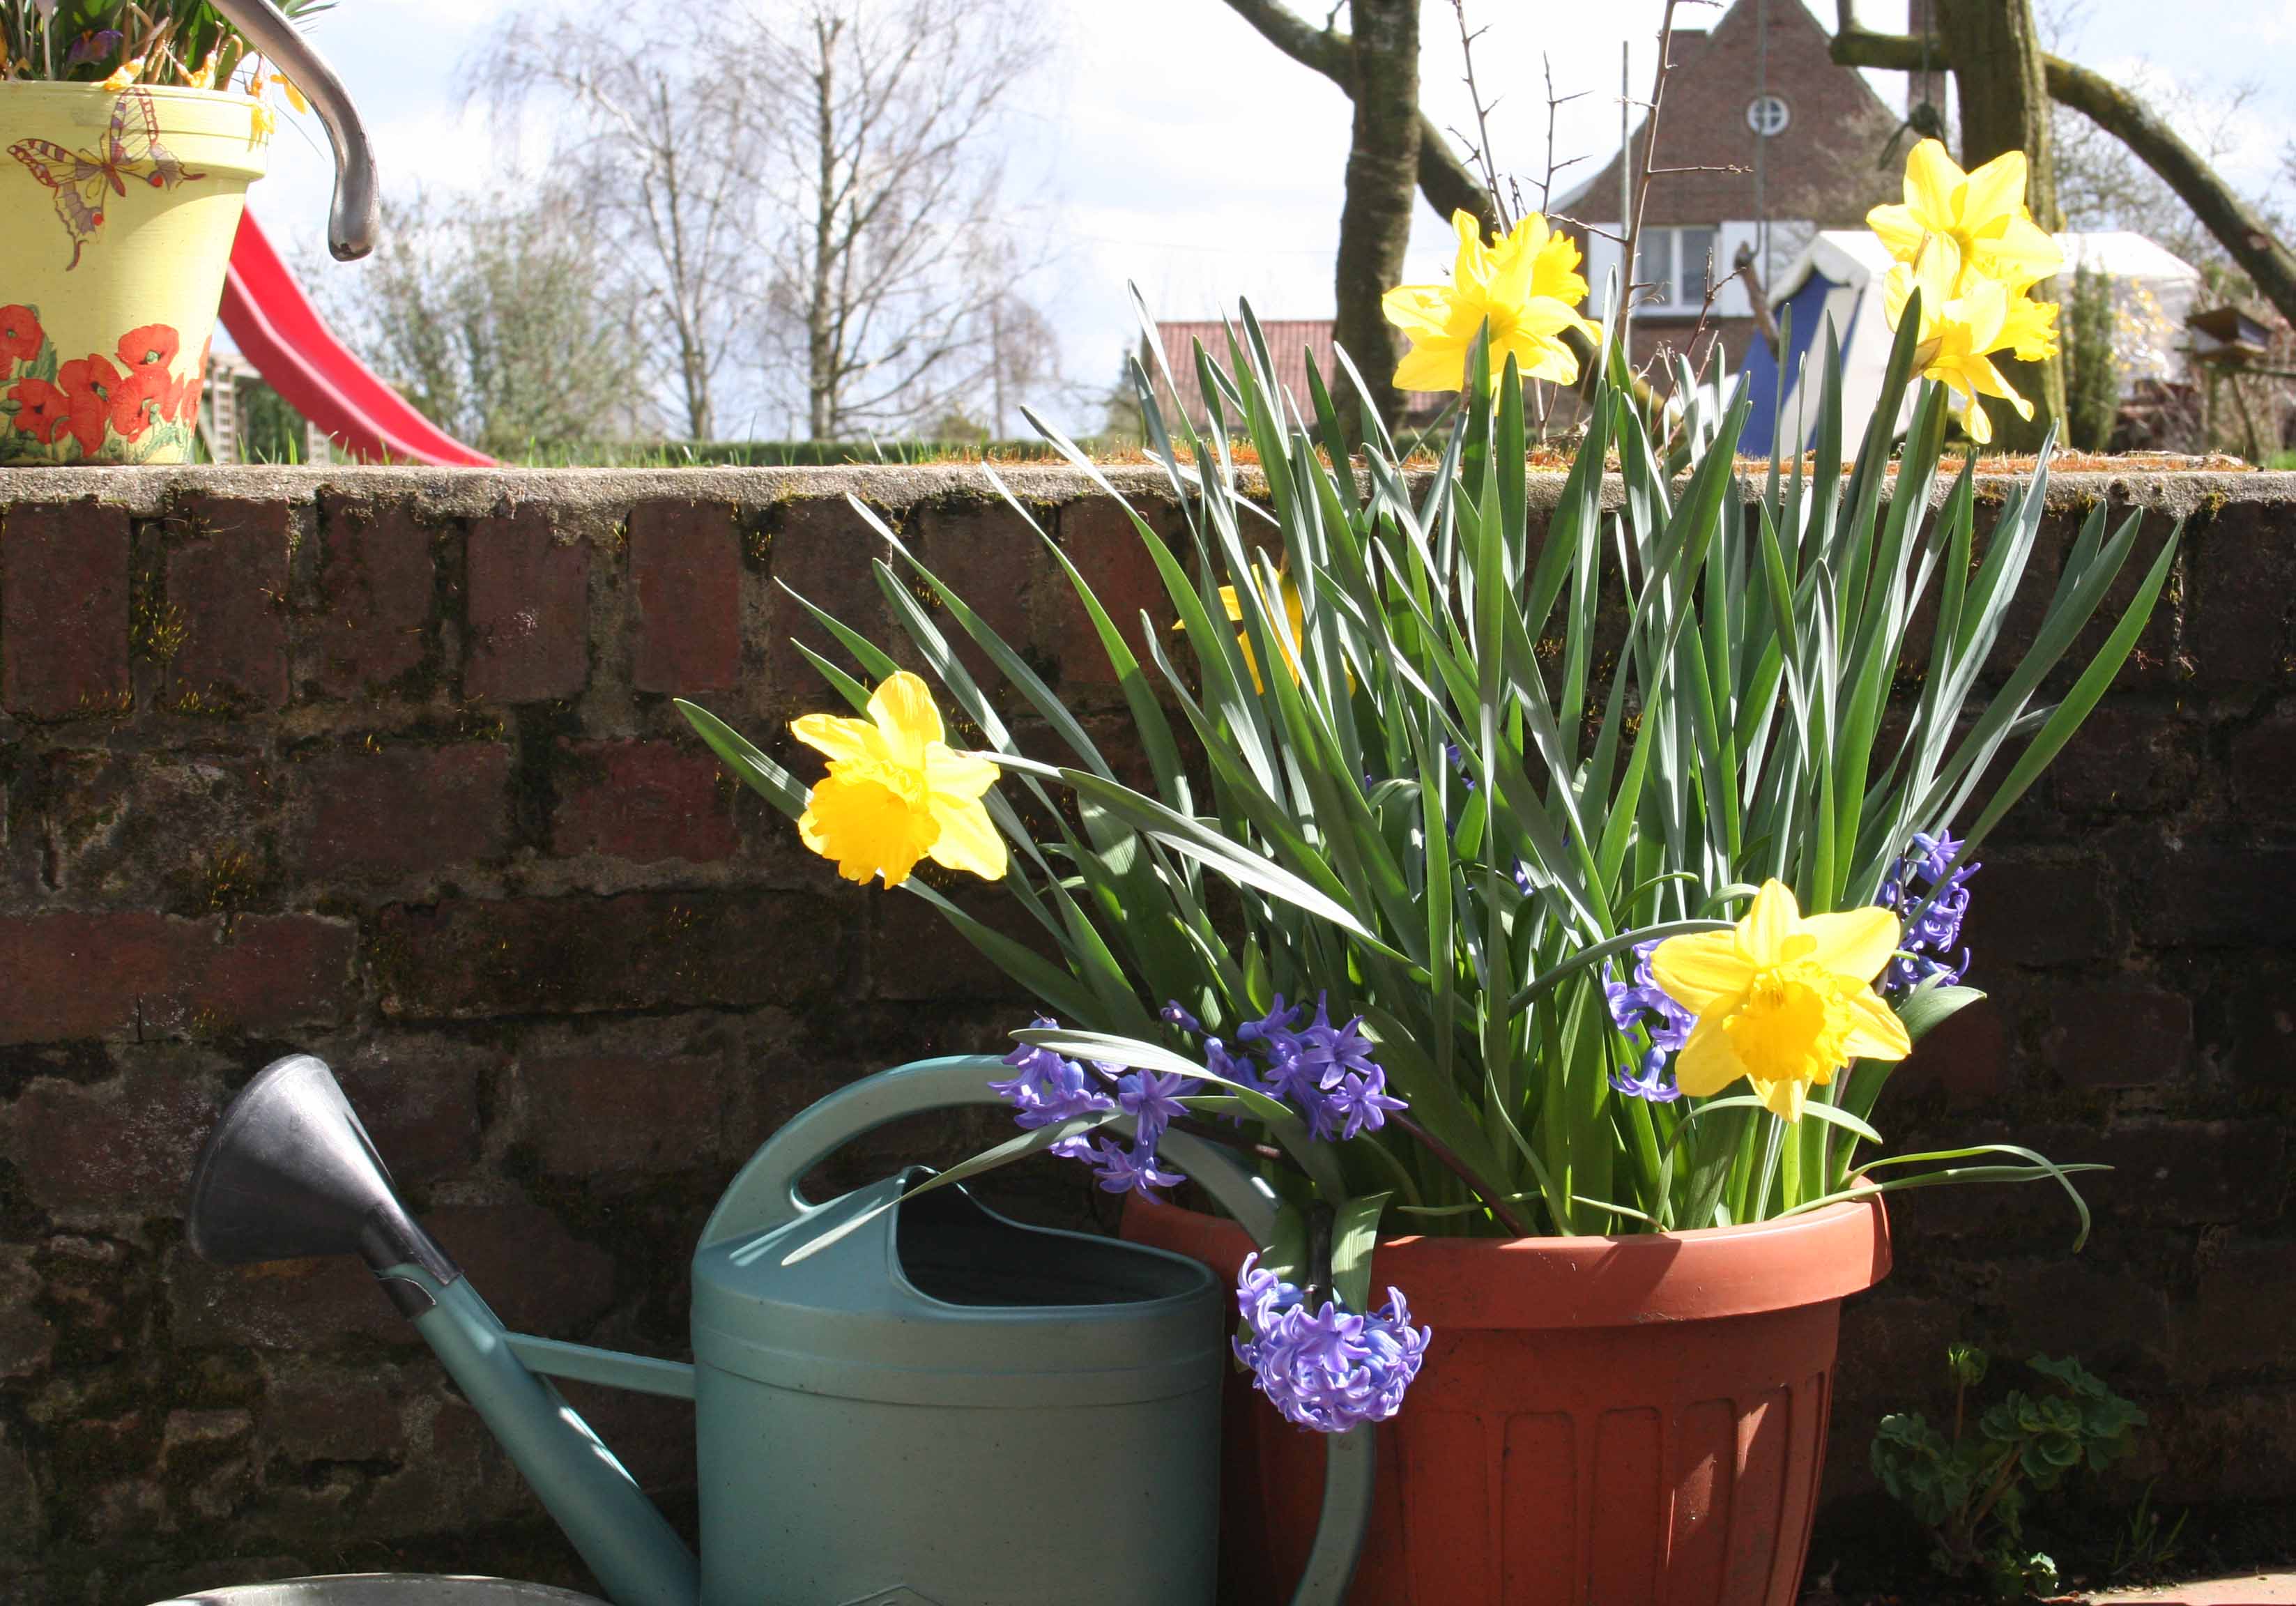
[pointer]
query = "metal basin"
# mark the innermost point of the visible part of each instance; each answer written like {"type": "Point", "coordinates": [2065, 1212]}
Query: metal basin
{"type": "Point", "coordinates": [386, 1589]}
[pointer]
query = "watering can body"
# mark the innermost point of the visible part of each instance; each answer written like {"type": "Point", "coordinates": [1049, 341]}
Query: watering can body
{"type": "Point", "coordinates": [903, 1399]}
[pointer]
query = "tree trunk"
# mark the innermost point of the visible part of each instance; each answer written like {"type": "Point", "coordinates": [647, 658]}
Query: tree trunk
{"type": "Point", "coordinates": [822, 353]}
{"type": "Point", "coordinates": [2004, 106]}
{"type": "Point", "coordinates": [1381, 186]}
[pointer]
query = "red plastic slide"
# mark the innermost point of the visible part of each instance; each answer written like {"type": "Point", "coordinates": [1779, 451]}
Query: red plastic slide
{"type": "Point", "coordinates": [278, 330]}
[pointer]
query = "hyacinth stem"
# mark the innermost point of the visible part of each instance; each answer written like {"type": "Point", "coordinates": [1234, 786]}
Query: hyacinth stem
{"type": "Point", "coordinates": [1228, 1140]}
{"type": "Point", "coordinates": [1494, 1200]}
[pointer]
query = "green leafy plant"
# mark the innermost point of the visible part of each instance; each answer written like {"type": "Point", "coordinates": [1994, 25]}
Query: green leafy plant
{"type": "Point", "coordinates": [171, 41]}
{"type": "Point", "coordinates": [2145, 1547]}
{"type": "Point", "coordinates": [2092, 370]}
{"type": "Point", "coordinates": [1971, 1488]}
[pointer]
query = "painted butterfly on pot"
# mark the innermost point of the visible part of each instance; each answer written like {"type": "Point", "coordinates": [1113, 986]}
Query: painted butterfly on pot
{"type": "Point", "coordinates": [131, 150]}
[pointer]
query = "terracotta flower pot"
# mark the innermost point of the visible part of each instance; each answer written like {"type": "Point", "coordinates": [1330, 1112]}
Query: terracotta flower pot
{"type": "Point", "coordinates": [120, 205]}
{"type": "Point", "coordinates": [1601, 1421]}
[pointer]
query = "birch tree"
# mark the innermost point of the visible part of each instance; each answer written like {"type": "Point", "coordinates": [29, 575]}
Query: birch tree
{"type": "Point", "coordinates": [894, 256]}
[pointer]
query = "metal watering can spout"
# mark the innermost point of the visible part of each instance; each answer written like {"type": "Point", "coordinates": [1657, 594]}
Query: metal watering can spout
{"type": "Point", "coordinates": [289, 1172]}
{"type": "Point", "coordinates": [351, 227]}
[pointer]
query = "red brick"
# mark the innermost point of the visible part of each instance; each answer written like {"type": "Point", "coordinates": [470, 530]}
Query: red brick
{"type": "Point", "coordinates": [588, 1113]}
{"type": "Point", "coordinates": [327, 1413]}
{"type": "Point", "coordinates": [643, 801]}
{"type": "Point", "coordinates": [126, 975]}
{"type": "Point", "coordinates": [2241, 574]}
{"type": "Point", "coordinates": [2132, 755]}
{"type": "Point", "coordinates": [2209, 895]}
{"type": "Point", "coordinates": [122, 1145]}
{"type": "Point", "coordinates": [821, 551]}
{"type": "Point", "coordinates": [285, 1305]}
{"type": "Point", "coordinates": [538, 1277]}
{"type": "Point", "coordinates": [1967, 1056]}
{"type": "Point", "coordinates": [418, 1098]}
{"type": "Point", "coordinates": [63, 609]}
{"type": "Point", "coordinates": [1109, 553]}
{"type": "Point", "coordinates": [2245, 1310]}
{"type": "Point", "coordinates": [375, 583]}
{"type": "Point", "coordinates": [641, 950]}
{"type": "Point", "coordinates": [916, 954]}
{"type": "Point", "coordinates": [27, 1336]}
{"type": "Point", "coordinates": [2120, 1036]}
{"type": "Point", "coordinates": [227, 589]}
{"type": "Point", "coordinates": [2034, 912]}
{"type": "Point", "coordinates": [403, 811]}
{"type": "Point", "coordinates": [987, 554]}
{"type": "Point", "coordinates": [528, 610]}
{"type": "Point", "coordinates": [2184, 1172]}
{"type": "Point", "coordinates": [685, 576]}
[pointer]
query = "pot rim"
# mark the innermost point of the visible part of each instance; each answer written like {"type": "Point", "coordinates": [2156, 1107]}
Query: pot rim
{"type": "Point", "coordinates": [1700, 1274]}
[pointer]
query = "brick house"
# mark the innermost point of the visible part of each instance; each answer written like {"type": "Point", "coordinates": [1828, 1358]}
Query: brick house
{"type": "Point", "coordinates": [1787, 143]}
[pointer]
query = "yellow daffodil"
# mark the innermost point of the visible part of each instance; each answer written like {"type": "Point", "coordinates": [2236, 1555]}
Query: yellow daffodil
{"type": "Point", "coordinates": [1960, 330]}
{"type": "Point", "coordinates": [1526, 286]}
{"type": "Point", "coordinates": [1784, 999]}
{"type": "Point", "coordinates": [1292, 613]}
{"type": "Point", "coordinates": [896, 793]}
{"type": "Point", "coordinates": [1983, 213]}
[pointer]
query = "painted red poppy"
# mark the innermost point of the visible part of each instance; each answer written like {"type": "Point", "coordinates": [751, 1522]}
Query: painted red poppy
{"type": "Point", "coordinates": [88, 383]}
{"type": "Point", "coordinates": [154, 345]}
{"type": "Point", "coordinates": [20, 333]}
{"type": "Point", "coordinates": [140, 399]}
{"type": "Point", "coordinates": [41, 409]}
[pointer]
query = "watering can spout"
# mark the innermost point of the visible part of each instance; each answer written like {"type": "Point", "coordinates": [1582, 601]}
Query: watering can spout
{"type": "Point", "coordinates": [289, 1172]}
{"type": "Point", "coordinates": [352, 226]}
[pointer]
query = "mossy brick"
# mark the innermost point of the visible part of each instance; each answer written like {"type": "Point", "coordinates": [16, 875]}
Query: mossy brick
{"type": "Point", "coordinates": [466, 958]}
{"type": "Point", "coordinates": [1098, 537]}
{"type": "Point", "coordinates": [643, 801]}
{"type": "Point", "coordinates": [600, 1113]}
{"type": "Point", "coordinates": [22, 1524]}
{"type": "Point", "coordinates": [130, 974]}
{"type": "Point", "coordinates": [685, 581]}
{"type": "Point", "coordinates": [2243, 1309]}
{"type": "Point", "coordinates": [2120, 1036]}
{"type": "Point", "coordinates": [377, 575]}
{"type": "Point", "coordinates": [319, 1410]}
{"type": "Point", "coordinates": [821, 551]}
{"type": "Point", "coordinates": [123, 1145]}
{"type": "Point", "coordinates": [419, 1096]}
{"type": "Point", "coordinates": [284, 1305]}
{"type": "Point", "coordinates": [2262, 768]}
{"type": "Point", "coordinates": [539, 1277]}
{"type": "Point", "coordinates": [2240, 565]}
{"type": "Point", "coordinates": [903, 929]}
{"type": "Point", "coordinates": [2134, 755]}
{"type": "Point", "coordinates": [527, 609]}
{"type": "Point", "coordinates": [399, 811]}
{"type": "Point", "coordinates": [191, 829]}
{"type": "Point", "coordinates": [27, 1336]}
{"type": "Point", "coordinates": [226, 591]}
{"type": "Point", "coordinates": [63, 609]}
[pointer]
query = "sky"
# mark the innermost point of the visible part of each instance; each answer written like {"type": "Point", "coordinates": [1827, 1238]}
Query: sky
{"type": "Point", "coordinates": [1167, 144]}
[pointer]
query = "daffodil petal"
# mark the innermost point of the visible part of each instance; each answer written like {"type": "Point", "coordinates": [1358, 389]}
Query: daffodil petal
{"type": "Point", "coordinates": [839, 737]}
{"type": "Point", "coordinates": [1785, 1099]}
{"type": "Point", "coordinates": [903, 708]}
{"type": "Point", "coordinates": [1762, 934]}
{"type": "Point", "coordinates": [1417, 310]}
{"type": "Point", "coordinates": [1876, 1032]}
{"type": "Point", "coordinates": [1708, 1063]}
{"type": "Point", "coordinates": [1701, 969]}
{"type": "Point", "coordinates": [2020, 253]}
{"type": "Point", "coordinates": [1433, 365]}
{"type": "Point", "coordinates": [968, 839]}
{"type": "Point", "coordinates": [866, 828]}
{"type": "Point", "coordinates": [1993, 192]}
{"type": "Point", "coordinates": [1855, 943]}
{"type": "Point", "coordinates": [1899, 230]}
{"type": "Point", "coordinates": [958, 776]}
{"type": "Point", "coordinates": [1933, 180]}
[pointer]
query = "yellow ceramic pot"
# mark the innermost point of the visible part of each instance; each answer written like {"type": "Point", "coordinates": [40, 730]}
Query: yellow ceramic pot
{"type": "Point", "coordinates": [117, 213]}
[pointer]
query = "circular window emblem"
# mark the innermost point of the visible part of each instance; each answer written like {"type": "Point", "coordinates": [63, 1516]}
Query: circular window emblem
{"type": "Point", "coordinates": [1766, 114]}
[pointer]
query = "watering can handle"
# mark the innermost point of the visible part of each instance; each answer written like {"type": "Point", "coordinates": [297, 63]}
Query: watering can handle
{"type": "Point", "coordinates": [765, 1195]}
{"type": "Point", "coordinates": [352, 224]}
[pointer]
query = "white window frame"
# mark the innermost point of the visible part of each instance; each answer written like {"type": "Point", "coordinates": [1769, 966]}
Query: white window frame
{"type": "Point", "coordinates": [1668, 239]}
{"type": "Point", "coordinates": [1785, 114]}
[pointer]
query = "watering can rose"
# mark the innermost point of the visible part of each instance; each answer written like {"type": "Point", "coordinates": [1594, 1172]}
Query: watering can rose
{"type": "Point", "coordinates": [1784, 999]}
{"type": "Point", "coordinates": [897, 792]}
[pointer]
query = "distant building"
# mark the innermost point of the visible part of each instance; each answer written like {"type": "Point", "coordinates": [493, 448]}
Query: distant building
{"type": "Point", "coordinates": [1784, 142]}
{"type": "Point", "coordinates": [1292, 344]}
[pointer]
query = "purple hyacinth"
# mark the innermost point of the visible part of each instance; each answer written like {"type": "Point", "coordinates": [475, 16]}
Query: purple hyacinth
{"type": "Point", "coordinates": [1643, 1003]}
{"type": "Point", "coordinates": [1050, 1089]}
{"type": "Point", "coordinates": [1650, 1083]}
{"type": "Point", "coordinates": [1326, 1072]}
{"type": "Point", "coordinates": [1926, 952]}
{"type": "Point", "coordinates": [92, 48]}
{"type": "Point", "coordinates": [1330, 1369]}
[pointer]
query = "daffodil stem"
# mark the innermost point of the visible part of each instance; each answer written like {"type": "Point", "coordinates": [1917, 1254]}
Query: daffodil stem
{"type": "Point", "coordinates": [1757, 1202]}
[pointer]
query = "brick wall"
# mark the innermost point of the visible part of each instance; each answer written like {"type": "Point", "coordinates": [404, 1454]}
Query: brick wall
{"type": "Point", "coordinates": [381, 764]}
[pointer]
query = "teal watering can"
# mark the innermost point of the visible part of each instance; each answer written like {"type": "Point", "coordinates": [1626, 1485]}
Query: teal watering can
{"type": "Point", "coordinates": [930, 1406]}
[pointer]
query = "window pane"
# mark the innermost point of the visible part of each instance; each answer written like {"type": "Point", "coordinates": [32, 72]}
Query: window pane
{"type": "Point", "coordinates": [1654, 265]}
{"type": "Point", "coordinates": [1697, 246]}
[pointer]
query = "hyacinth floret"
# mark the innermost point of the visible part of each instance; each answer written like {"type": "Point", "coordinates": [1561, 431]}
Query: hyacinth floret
{"type": "Point", "coordinates": [1643, 1003]}
{"type": "Point", "coordinates": [1328, 1369]}
{"type": "Point", "coordinates": [1326, 1072]}
{"type": "Point", "coordinates": [1927, 951]}
{"type": "Point", "coordinates": [1649, 1083]}
{"type": "Point", "coordinates": [1051, 1089]}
